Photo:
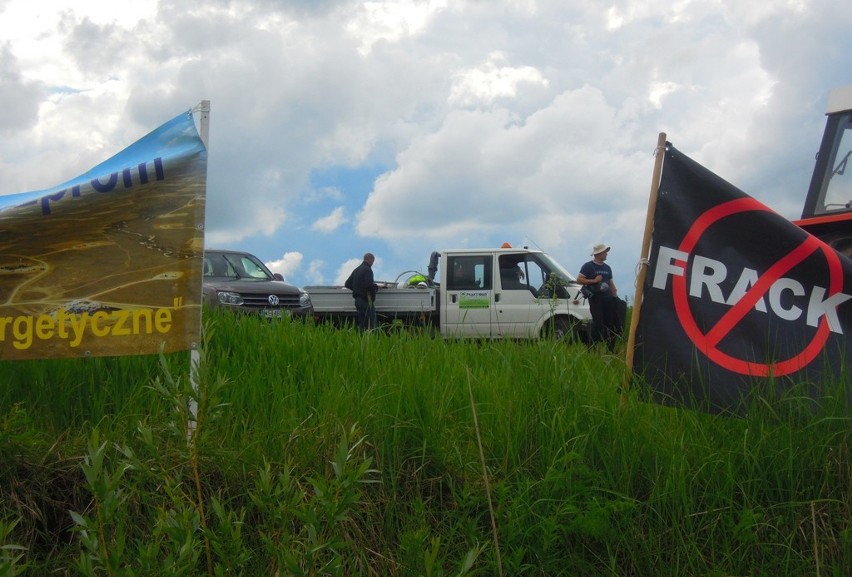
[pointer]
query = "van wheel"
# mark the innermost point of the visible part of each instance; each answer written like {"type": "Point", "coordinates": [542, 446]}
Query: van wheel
{"type": "Point", "coordinates": [558, 329]}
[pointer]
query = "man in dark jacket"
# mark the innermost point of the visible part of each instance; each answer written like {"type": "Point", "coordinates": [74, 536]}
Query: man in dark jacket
{"type": "Point", "coordinates": [364, 288]}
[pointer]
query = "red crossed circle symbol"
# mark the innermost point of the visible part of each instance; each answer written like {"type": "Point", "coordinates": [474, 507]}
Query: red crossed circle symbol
{"type": "Point", "coordinates": [708, 343]}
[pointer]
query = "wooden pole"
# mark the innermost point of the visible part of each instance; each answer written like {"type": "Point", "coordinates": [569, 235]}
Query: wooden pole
{"type": "Point", "coordinates": [659, 154]}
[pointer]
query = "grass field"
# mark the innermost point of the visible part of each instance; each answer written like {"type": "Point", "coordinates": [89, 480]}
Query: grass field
{"type": "Point", "coordinates": [324, 452]}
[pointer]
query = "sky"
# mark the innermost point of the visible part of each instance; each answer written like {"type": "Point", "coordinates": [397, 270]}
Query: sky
{"type": "Point", "coordinates": [403, 127]}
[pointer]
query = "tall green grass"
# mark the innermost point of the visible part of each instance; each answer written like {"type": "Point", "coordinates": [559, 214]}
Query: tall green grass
{"type": "Point", "coordinates": [319, 451]}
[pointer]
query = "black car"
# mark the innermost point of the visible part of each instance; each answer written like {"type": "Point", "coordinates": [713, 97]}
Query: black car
{"type": "Point", "coordinates": [240, 281]}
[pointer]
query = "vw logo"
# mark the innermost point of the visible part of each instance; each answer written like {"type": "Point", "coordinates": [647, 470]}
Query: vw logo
{"type": "Point", "coordinates": [273, 300]}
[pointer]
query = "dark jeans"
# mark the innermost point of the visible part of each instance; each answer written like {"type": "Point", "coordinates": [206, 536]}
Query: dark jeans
{"type": "Point", "coordinates": [604, 309]}
{"type": "Point", "coordinates": [365, 311]}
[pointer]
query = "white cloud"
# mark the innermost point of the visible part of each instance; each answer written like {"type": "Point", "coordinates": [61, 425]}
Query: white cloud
{"type": "Point", "coordinates": [326, 192]}
{"type": "Point", "coordinates": [392, 21]}
{"type": "Point", "coordinates": [18, 96]}
{"type": "Point", "coordinates": [492, 171]}
{"type": "Point", "coordinates": [490, 82]}
{"type": "Point", "coordinates": [659, 90]}
{"type": "Point", "coordinates": [505, 120]}
{"type": "Point", "coordinates": [314, 273]}
{"type": "Point", "coordinates": [345, 270]}
{"type": "Point", "coordinates": [331, 222]}
{"type": "Point", "coordinates": [288, 265]}
{"type": "Point", "coordinates": [264, 221]}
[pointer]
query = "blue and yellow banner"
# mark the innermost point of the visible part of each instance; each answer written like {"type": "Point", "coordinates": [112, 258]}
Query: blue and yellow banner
{"type": "Point", "coordinates": [108, 263]}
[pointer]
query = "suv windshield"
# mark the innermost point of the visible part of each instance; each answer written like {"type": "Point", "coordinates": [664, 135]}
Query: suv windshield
{"type": "Point", "coordinates": [231, 265]}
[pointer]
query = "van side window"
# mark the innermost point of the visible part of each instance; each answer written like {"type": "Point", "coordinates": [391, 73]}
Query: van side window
{"type": "Point", "coordinates": [513, 275]}
{"type": "Point", "coordinates": [469, 272]}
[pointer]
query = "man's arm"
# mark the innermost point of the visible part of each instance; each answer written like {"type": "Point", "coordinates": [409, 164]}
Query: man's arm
{"type": "Point", "coordinates": [581, 278]}
{"type": "Point", "coordinates": [369, 283]}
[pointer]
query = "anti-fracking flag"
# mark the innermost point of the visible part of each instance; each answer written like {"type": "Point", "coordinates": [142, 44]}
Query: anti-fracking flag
{"type": "Point", "coordinates": [736, 297]}
{"type": "Point", "coordinates": [108, 263]}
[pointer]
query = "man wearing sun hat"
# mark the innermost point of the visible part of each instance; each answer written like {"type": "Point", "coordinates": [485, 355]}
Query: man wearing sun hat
{"type": "Point", "coordinates": [599, 287]}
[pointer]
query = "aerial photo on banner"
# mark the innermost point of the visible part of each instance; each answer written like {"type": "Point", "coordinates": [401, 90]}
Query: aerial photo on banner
{"type": "Point", "coordinates": [108, 263]}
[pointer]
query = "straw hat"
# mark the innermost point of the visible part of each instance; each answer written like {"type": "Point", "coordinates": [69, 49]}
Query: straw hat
{"type": "Point", "coordinates": [599, 248]}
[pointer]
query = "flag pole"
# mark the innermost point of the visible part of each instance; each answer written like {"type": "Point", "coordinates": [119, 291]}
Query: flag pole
{"type": "Point", "coordinates": [643, 262]}
{"type": "Point", "coordinates": [203, 108]}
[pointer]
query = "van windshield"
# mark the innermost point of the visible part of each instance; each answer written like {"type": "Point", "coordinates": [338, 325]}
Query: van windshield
{"type": "Point", "coordinates": [554, 267]}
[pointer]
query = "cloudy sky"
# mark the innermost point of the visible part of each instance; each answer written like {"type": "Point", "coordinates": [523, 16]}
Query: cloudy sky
{"type": "Point", "coordinates": [407, 126]}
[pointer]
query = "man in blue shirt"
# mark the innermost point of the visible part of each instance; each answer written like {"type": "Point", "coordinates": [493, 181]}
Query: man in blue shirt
{"type": "Point", "coordinates": [600, 289]}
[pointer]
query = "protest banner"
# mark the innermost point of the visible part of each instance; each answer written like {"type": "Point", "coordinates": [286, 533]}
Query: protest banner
{"type": "Point", "coordinates": [736, 298]}
{"type": "Point", "coordinates": [108, 263]}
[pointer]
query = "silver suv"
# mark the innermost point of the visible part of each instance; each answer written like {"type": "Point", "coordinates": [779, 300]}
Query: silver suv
{"type": "Point", "coordinates": [240, 281]}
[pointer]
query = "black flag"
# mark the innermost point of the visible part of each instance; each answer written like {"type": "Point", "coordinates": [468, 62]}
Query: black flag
{"type": "Point", "coordinates": [736, 297]}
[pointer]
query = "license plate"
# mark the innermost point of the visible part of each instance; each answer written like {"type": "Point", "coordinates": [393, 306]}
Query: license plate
{"type": "Point", "coordinates": [272, 313]}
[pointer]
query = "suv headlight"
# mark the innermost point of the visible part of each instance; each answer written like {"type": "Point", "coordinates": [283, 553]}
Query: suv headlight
{"type": "Point", "coordinates": [230, 298]}
{"type": "Point", "coordinates": [304, 299]}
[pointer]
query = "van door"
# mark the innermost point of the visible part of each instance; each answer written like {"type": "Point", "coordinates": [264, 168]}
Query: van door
{"type": "Point", "coordinates": [517, 310]}
{"type": "Point", "coordinates": [467, 304]}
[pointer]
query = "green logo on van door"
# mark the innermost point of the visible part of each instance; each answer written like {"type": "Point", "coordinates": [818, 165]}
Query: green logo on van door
{"type": "Point", "coordinates": [474, 300]}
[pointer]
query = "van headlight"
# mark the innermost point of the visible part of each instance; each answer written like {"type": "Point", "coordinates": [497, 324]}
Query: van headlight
{"type": "Point", "coordinates": [230, 298]}
{"type": "Point", "coordinates": [304, 299]}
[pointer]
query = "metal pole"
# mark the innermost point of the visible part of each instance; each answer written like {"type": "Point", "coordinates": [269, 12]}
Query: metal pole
{"type": "Point", "coordinates": [204, 121]}
{"type": "Point", "coordinates": [203, 109]}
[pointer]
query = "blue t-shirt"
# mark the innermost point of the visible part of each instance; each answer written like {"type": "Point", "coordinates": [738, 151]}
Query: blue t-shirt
{"type": "Point", "coordinates": [591, 270]}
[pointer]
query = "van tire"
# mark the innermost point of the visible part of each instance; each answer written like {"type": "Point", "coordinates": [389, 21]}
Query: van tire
{"type": "Point", "coordinates": [558, 328]}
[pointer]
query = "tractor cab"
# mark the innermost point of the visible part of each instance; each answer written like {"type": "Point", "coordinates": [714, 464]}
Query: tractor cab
{"type": "Point", "coordinates": [827, 213]}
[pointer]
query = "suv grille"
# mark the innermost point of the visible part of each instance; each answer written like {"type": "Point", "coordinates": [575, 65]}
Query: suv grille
{"type": "Point", "coordinates": [261, 301]}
